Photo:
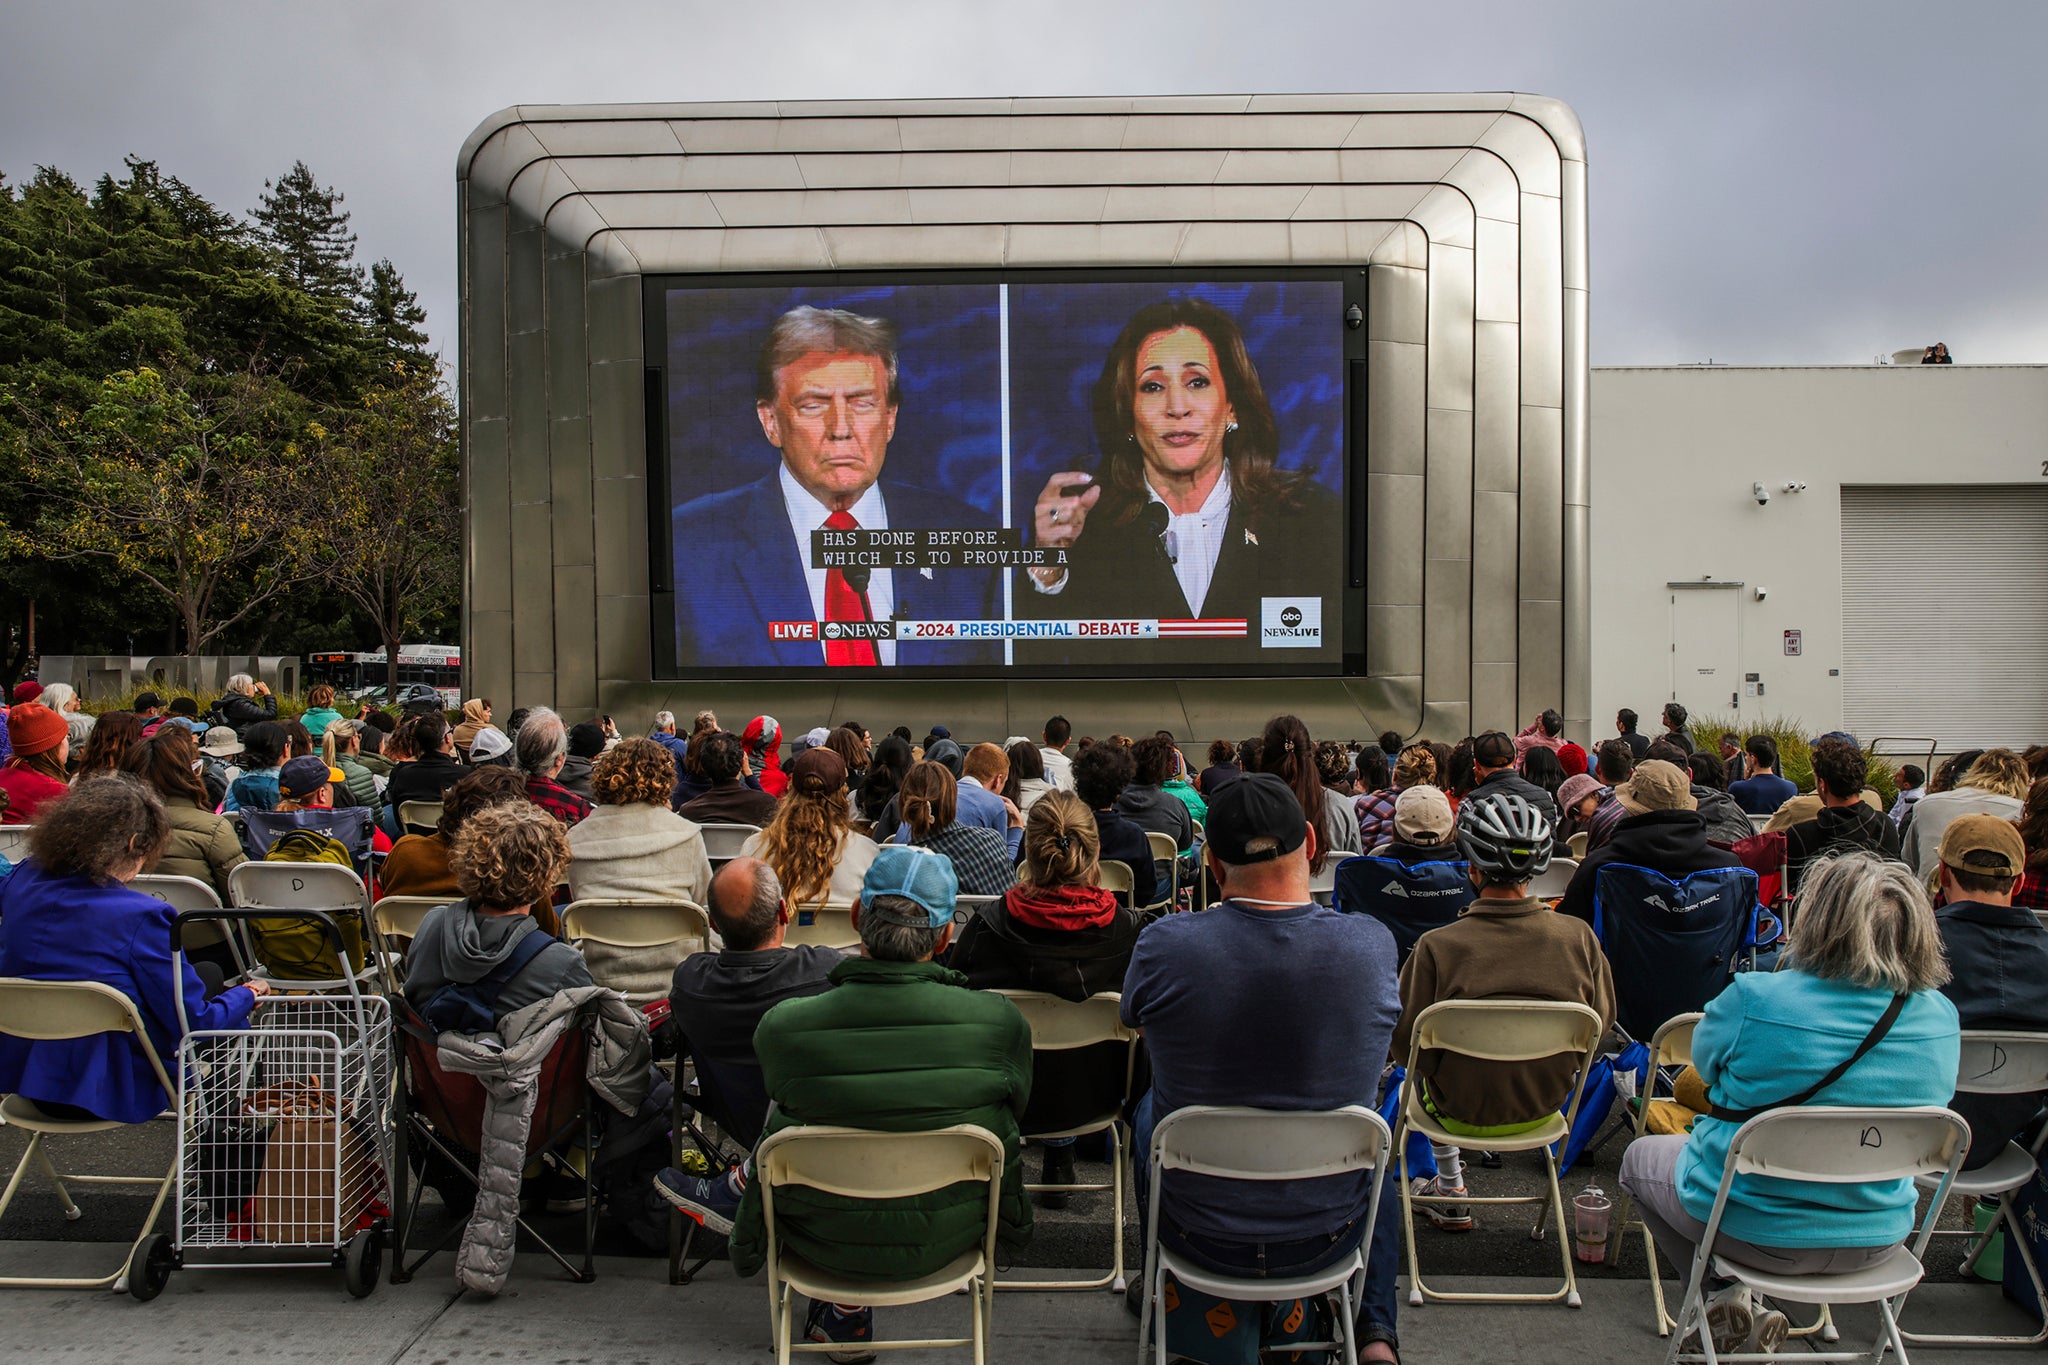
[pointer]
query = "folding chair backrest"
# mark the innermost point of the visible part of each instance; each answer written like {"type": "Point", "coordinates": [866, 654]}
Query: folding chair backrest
{"type": "Point", "coordinates": [1507, 1030]}
{"type": "Point", "coordinates": [51, 1011]}
{"type": "Point", "coordinates": [637, 923]}
{"type": "Point", "coordinates": [14, 842]}
{"type": "Point", "coordinates": [1114, 876]}
{"type": "Point", "coordinates": [1324, 883]}
{"type": "Point", "coordinates": [723, 842]}
{"type": "Point", "coordinates": [1553, 880]}
{"type": "Point", "coordinates": [1672, 944]}
{"type": "Point", "coordinates": [1672, 1045]}
{"type": "Point", "coordinates": [1058, 1025]}
{"type": "Point", "coordinates": [351, 825]}
{"type": "Point", "coordinates": [858, 1163]}
{"type": "Point", "coordinates": [969, 904]}
{"type": "Point", "coordinates": [399, 917]}
{"type": "Point", "coordinates": [180, 893]}
{"type": "Point", "coordinates": [1409, 898]}
{"type": "Point", "coordinates": [829, 925]}
{"type": "Point", "coordinates": [2002, 1062]}
{"type": "Point", "coordinates": [295, 886]}
{"type": "Point", "coordinates": [1238, 1143]}
{"type": "Point", "coordinates": [1578, 844]}
{"type": "Point", "coordinates": [293, 948]}
{"type": "Point", "coordinates": [1839, 1145]}
{"type": "Point", "coordinates": [1162, 845]}
{"type": "Point", "coordinates": [419, 817]}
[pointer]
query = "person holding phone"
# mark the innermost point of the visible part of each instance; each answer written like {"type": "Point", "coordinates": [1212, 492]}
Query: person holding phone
{"type": "Point", "coordinates": [1187, 515]}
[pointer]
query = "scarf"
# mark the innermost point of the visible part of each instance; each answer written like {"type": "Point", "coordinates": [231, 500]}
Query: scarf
{"type": "Point", "coordinates": [1061, 907]}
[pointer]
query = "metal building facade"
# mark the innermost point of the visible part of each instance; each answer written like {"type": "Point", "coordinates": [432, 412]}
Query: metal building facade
{"type": "Point", "coordinates": [1468, 213]}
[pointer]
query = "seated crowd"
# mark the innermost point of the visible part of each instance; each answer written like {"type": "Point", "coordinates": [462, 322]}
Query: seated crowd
{"type": "Point", "coordinates": [966, 869]}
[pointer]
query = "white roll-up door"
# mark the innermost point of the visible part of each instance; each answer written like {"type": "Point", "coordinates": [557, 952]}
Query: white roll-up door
{"type": "Point", "coordinates": [1945, 613]}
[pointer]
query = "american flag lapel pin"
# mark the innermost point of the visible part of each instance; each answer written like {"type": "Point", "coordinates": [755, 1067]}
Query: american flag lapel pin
{"type": "Point", "coordinates": [924, 573]}
{"type": "Point", "coordinates": [1250, 539]}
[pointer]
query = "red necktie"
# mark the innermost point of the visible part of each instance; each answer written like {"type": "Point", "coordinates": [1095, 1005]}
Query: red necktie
{"type": "Point", "coordinates": [842, 603]}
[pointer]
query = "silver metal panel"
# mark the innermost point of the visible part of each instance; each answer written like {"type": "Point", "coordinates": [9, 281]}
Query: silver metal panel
{"type": "Point", "coordinates": [1494, 556]}
{"type": "Point", "coordinates": [576, 688]}
{"type": "Point", "coordinates": [1494, 706]}
{"type": "Point", "coordinates": [1578, 592]}
{"type": "Point", "coordinates": [1496, 409]}
{"type": "Point", "coordinates": [487, 653]}
{"type": "Point", "coordinates": [490, 518]}
{"type": "Point", "coordinates": [1397, 304]}
{"type": "Point", "coordinates": [1542, 656]}
{"type": "Point", "coordinates": [1398, 375]}
{"type": "Point", "coordinates": [619, 511]}
{"type": "Point", "coordinates": [1477, 201]}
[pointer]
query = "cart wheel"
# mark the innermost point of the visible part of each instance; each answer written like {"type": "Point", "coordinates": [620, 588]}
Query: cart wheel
{"type": "Point", "coordinates": [364, 1264]}
{"type": "Point", "coordinates": [149, 1269]}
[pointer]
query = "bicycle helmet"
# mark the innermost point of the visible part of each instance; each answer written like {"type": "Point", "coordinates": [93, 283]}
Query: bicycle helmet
{"type": "Point", "coordinates": [1504, 838]}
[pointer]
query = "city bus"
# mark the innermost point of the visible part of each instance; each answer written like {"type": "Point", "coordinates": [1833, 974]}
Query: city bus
{"type": "Point", "coordinates": [365, 676]}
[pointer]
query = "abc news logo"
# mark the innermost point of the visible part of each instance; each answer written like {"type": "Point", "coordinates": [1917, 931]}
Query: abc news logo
{"type": "Point", "coordinates": [831, 630]}
{"type": "Point", "coordinates": [1290, 622]}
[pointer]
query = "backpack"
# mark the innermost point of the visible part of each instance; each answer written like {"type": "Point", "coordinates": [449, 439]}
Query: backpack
{"type": "Point", "coordinates": [471, 1006]}
{"type": "Point", "coordinates": [299, 949]}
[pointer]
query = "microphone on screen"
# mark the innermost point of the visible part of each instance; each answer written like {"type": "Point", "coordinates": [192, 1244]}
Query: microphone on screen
{"type": "Point", "coordinates": [857, 577]}
{"type": "Point", "coordinates": [1157, 521]}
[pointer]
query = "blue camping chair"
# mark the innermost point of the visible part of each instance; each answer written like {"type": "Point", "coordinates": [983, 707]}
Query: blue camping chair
{"type": "Point", "coordinates": [1672, 944]}
{"type": "Point", "coordinates": [1409, 898]}
{"type": "Point", "coordinates": [350, 825]}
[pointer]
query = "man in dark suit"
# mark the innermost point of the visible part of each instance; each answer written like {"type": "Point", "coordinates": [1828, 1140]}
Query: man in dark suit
{"type": "Point", "coordinates": [826, 393]}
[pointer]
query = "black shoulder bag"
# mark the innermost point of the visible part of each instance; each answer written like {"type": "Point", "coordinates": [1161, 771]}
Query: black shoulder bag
{"type": "Point", "coordinates": [1870, 1040]}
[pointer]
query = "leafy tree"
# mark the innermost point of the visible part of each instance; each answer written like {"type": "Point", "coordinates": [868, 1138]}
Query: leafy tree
{"type": "Point", "coordinates": [186, 484]}
{"type": "Point", "coordinates": [396, 528]}
{"type": "Point", "coordinates": [303, 222]}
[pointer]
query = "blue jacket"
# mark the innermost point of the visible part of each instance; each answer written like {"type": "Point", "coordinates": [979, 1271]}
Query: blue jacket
{"type": "Point", "coordinates": [1767, 1037]}
{"type": "Point", "coordinates": [72, 929]}
{"type": "Point", "coordinates": [1762, 795]}
{"type": "Point", "coordinates": [737, 569]}
{"type": "Point", "coordinates": [256, 790]}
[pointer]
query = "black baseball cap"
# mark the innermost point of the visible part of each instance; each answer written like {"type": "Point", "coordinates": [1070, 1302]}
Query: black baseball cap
{"type": "Point", "coordinates": [1494, 750]}
{"type": "Point", "coordinates": [148, 700]}
{"type": "Point", "coordinates": [1256, 806]}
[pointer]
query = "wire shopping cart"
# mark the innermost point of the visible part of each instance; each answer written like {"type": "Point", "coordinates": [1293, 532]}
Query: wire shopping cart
{"type": "Point", "coordinates": [284, 1135]}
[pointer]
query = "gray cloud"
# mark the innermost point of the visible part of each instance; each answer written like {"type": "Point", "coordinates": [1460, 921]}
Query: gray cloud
{"type": "Point", "coordinates": [1810, 183]}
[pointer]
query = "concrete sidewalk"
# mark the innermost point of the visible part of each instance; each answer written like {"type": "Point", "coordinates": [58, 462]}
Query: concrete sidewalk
{"type": "Point", "coordinates": [631, 1314]}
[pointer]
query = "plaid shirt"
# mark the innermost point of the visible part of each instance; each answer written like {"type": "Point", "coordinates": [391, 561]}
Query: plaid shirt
{"type": "Point", "coordinates": [1375, 812]}
{"type": "Point", "coordinates": [981, 860]}
{"type": "Point", "coordinates": [556, 799]}
{"type": "Point", "coordinates": [2032, 892]}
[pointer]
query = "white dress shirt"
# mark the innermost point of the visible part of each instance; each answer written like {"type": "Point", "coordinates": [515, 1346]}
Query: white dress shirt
{"type": "Point", "coordinates": [807, 514]}
{"type": "Point", "coordinates": [1194, 539]}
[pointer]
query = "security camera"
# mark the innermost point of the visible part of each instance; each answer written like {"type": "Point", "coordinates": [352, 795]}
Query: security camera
{"type": "Point", "coordinates": [1762, 593]}
{"type": "Point", "coordinates": [1763, 494]}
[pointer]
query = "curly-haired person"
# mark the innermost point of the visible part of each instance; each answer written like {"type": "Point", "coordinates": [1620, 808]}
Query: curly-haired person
{"type": "Point", "coordinates": [505, 857]}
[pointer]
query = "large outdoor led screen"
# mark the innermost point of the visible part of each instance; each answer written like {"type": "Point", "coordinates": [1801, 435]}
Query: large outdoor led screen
{"type": "Point", "coordinates": [1045, 476]}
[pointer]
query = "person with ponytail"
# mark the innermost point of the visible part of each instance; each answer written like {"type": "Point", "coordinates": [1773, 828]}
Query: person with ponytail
{"type": "Point", "coordinates": [929, 802]}
{"type": "Point", "coordinates": [1059, 932]}
{"type": "Point", "coordinates": [811, 843]}
{"type": "Point", "coordinates": [1286, 751]}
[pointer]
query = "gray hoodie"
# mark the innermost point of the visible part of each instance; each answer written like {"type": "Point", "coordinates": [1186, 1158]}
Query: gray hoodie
{"type": "Point", "coordinates": [457, 944]}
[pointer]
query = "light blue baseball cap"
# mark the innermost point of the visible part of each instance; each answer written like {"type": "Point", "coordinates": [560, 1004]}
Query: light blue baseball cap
{"type": "Point", "coordinates": [916, 874]}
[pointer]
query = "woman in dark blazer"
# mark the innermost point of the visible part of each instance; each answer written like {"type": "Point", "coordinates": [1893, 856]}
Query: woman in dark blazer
{"type": "Point", "coordinates": [1187, 515]}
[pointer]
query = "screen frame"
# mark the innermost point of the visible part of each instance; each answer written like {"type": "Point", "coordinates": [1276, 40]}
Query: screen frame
{"type": "Point", "coordinates": [1350, 593]}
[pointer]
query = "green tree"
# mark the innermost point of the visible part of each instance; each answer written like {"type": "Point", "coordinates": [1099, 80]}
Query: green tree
{"type": "Point", "coordinates": [302, 221]}
{"type": "Point", "coordinates": [395, 530]}
{"type": "Point", "coordinates": [186, 484]}
{"type": "Point", "coordinates": [392, 316]}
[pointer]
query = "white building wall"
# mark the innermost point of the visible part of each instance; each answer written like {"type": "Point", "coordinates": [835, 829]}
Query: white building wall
{"type": "Point", "coordinates": [1676, 451]}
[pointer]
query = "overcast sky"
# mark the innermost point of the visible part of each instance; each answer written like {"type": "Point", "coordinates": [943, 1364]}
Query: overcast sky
{"type": "Point", "coordinates": [1771, 183]}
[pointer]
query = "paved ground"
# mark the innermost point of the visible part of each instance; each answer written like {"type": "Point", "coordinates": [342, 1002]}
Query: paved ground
{"type": "Point", "coordinates": [629, 1314]}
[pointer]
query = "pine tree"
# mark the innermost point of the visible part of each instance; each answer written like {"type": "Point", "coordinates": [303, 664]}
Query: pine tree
{"type": "Point", "coordinates": [303, 222]}
{"type": "Point", "coordinates": [392, 315]}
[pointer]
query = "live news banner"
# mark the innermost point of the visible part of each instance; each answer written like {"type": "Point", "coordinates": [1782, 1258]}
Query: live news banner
{"type": "Point", "coordinates": [858, 552]}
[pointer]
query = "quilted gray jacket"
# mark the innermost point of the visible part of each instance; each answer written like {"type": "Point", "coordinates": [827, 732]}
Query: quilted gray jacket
{"type": "Point", "coordinates": [508, 1063]}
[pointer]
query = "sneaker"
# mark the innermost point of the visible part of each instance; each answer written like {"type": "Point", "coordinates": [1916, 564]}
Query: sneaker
{"type": "Point", "coordinates": [1444, 1217]}
{"type": "Point", "coordinates": [564, 1191]}
{"type": "Point", "coordinates": [1772, 1327]}
{"type": "Point", "coordinates": [712, 1200]}
{"type": "Point", "coordinates": [828, 1322]}
{"type": "Point", "coordinates": [1731, 1318]}
{"type": "Point", "coordinates": [1056, 1169]}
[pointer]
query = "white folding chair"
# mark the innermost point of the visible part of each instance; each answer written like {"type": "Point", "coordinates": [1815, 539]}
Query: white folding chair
{"type": "Point", "coordinates": [1497, 1031]}
{"type": "Point", "coordinates": [1670, 1046]}
{"type": "Point", "coordinates": [1757, 822]}
{"type": "Point", "coordinates": [398, 920]}
{"type": "Point", "coordinates": [856, 1163]}
{"type": "Point", "coordinates": [289, 887]}
{"type": "Point", "coordinates": [1836, 1146]}
{"type": "Point", "coordinates": [1578, 843]}
{"type": "Point", "coordinates": [52, 1011]}
{"type": "Point", "coordinates": [1323, 885]}
{"type": "Point", "coordinates": [14, 842]}
{"type": "Point", "coordinates": [1112, 875]}
{"type": "Point", "coordinates": [679, 926]}
{"type": "Point", "coordinates": [1237, 1143]}
{"type": "Point", "coordinates": [419, 817]}
{"type": "Point", "coordinates": [966, 907]}
{"type": "Point", "coordinates": [1995, 1062]}
{"type": "Point", "coordinates": [1057, 1026]}
{"type": "Point", "coordinates": [722, 843]}
{"type": "Point", "coordinates": [827, 925]}
{"type": "Point", "coordinates": [1552, 881]}
{"type": "Point", "coordinates": [189, 894]}
{"type": "Point", "coordinates": [1164, 850]}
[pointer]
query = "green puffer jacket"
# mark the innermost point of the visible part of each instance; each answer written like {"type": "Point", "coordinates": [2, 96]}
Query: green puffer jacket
{"type": "Point", "coordinates": [903, 1047]}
